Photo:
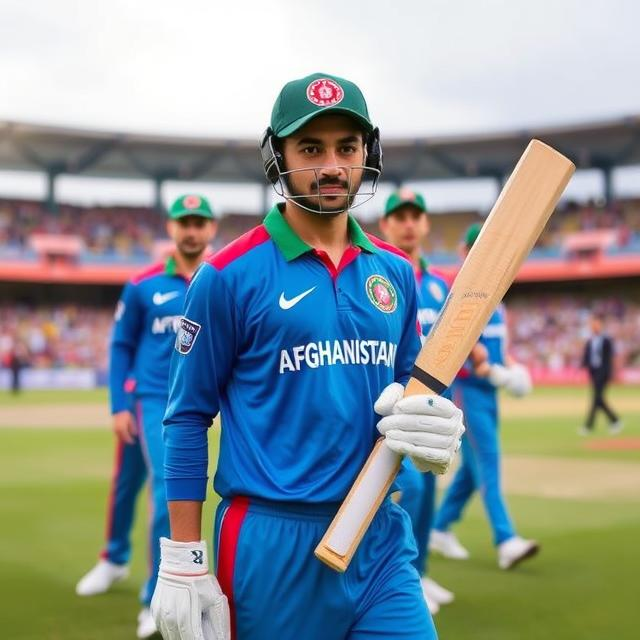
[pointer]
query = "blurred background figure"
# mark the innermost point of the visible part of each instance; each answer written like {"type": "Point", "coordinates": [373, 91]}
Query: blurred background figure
{"type": "Point", "coordinates": [598, 361]}
{"type": "Point", "coordinates": [405, 225]}
{"type": "Point", "coordinates": [475, 392]}
{"type": "Point", "coordinates": [127, 479]}
{"type": "Point", "coordinates": [17, 359]}
{"type": "Point", "coordinates": [145, 323]}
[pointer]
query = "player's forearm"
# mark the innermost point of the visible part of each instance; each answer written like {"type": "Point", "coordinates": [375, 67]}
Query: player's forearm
{"type": "Point", "coordinates": [185, 517]}
{"type": "Point", "coordinates": [120, 365]}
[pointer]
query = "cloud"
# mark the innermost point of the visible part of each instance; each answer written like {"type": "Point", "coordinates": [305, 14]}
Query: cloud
{"type": "Point", "coordinates": [426, 67]}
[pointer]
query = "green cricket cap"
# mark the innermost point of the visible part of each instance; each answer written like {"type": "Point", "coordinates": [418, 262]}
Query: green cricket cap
{"type": "Point", "coordinates": [472, 234]}
{"type": "Point", "coordinates": [191, 204]}
{"type": "Point", "coordinates": [402, 197]}
{"type": "Point", "coordinates": [302, 100]}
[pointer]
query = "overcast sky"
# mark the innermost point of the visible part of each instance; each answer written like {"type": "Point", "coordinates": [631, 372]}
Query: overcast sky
{"type": "Point", "coordinates": [214, 68]}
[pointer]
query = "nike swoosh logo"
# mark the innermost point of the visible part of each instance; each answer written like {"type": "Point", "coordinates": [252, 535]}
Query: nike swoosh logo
{"type": "Point", "coordinates": [287, 304]}
{"type": "Point", "coordinates": [161, 298]}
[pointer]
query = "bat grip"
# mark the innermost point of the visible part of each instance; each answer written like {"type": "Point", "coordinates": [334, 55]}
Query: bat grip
{"type": "Point", "coordinates": [343, 536]}
{"type": "Point", "coordinates": [339, 543]}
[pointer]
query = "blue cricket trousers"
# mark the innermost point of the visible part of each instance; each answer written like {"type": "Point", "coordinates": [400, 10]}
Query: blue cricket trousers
{"type": "Point", "coordinates": [480, 468]}
{"type": "Point", "coordinates": [278, 590]}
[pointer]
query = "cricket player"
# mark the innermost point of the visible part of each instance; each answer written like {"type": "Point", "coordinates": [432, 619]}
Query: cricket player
{"type": "Point", "coordinates": [298, 333]}
{"type": "Point", "coordinates": [405, 224]}
{"type": "Point", "coordinates": [127, 479]}
{"type": "Point", "coordinates": [475, 389]}
{"type": "Point", "coordinates": [146, 320]}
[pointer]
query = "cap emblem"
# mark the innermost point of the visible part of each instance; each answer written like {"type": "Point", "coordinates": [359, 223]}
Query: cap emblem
{"type": "Point", "coordinates": [324, 92]}
{"type": "Point", "coordinates": [191, 202]}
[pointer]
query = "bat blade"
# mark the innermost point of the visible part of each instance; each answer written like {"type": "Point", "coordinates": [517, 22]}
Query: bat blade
{"type": "Point", "coordinates": [507, 236]}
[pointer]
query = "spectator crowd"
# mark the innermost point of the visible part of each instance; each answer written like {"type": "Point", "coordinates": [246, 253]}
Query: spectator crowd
{"type": "Point", "coordinates": [56, 336]}
{"type": "Point", "coordinates": [547, 333]}
{"type": "Point", "coordinates": [130, 233]}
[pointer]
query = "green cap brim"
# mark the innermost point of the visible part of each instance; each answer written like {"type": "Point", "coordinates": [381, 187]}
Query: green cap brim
{"type": "Point", "coordinates": [300, 122]}
{"type": "Point", "coordinates": [404, 203]}
{"type": "Point", "coordinates": [192, 212]}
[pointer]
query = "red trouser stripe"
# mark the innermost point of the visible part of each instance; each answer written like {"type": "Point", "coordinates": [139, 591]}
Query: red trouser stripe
{"type": "Point", "coordinates": [229, 535]}
{"type": "Point", "coordinates": [117, 467]}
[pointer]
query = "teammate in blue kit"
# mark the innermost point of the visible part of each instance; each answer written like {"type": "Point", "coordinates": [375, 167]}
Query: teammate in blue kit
{"type": "Point", "coordinates": [405, 224]}
{"type": "Point", "coordinates": [128, 477]}
{"type": "Point", "coordinates": [475, 388]}
{"type": "Point", "coordinates": [293, 332]}
{"type": "Point", "coordinates": [146, 320]}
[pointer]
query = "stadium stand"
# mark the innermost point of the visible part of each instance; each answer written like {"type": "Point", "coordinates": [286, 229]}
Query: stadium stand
{"type": "Point", "coordinates": [129, 235]}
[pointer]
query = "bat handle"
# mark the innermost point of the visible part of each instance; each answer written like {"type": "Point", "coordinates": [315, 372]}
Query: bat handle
{"type": "Point", "coordinates": [339, 543]}
{"type": "Point", "coordinates": [349, 525]}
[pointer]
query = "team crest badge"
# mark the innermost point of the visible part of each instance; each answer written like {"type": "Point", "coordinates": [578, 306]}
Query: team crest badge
{"type": "Point", "coordinates": [324, 92]}
{"type": "Point", "coordinates": [186, 336]}
{"type": "Point", "coordinates": [381, 293]}
{"type": "Point", "coordinates": [436, 291]}
{"type": "Point", "coordinates": [191, 202]}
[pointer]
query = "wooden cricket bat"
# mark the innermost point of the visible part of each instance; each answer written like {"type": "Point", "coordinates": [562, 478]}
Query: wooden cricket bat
{"type": "Point", "coordinates": [508, 235]}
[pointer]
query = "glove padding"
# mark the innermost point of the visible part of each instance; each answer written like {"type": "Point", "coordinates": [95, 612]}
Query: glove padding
{"type": "Point", "coordinates": [425, 428]}
{"type": "Point", "coordinates": [515, 379]}
{"type": "Point", "coordinates": [188, 603]}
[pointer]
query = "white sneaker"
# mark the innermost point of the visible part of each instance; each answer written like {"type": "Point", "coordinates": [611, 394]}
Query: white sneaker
{"type": "Point", "coordinates": [615, 427]}
{"type": "Point", "coordinates": [432, 605]}
{"type": "Point", "coordinates": [101, 578]}
{"type": "Point", "coordinates": [433, 591]}
{"type": "Point", "coordinates": [146, 624]}
{"type": "Point", "coordinates": [514, 550]}
{"type": "Point", "coordinates": [446, 543]}
{"type": "Point", "coordinates": [584, 431]}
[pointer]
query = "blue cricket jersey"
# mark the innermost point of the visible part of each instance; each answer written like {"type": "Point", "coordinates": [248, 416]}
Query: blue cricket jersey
{"type": "Point", "coordinates": [432, 292]}
{"type": "Point", "coordinates": [146, 320]}
{"type": "Point", "coordinates": [493, 337]}
{"type": "Point", "coordinates": [293, 352]}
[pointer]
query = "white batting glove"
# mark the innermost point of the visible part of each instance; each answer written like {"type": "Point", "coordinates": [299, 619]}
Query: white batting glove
{"type": "Point", "coordinates": [519, 383]}
{"type": "Point", "coordinates": [425, 428]}
{"type": "Point", "coordinates": [188, 603]}
{"type": "Point", "coordinates": [499, 375]}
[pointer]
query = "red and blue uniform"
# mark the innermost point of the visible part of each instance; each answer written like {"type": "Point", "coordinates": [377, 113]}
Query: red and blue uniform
{"type": "Point", "coordinates": [129, 475]}
{"type": "Point", "coordinates": [418, 490]}
{"type": "Point", "coordinates": [480, 468]}
{"type": "Point", "coordinates": [293, 352]}
{"type": "Point", "coordinates": [146, 321]}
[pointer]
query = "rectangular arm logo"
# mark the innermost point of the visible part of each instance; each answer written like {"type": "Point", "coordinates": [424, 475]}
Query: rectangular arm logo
{"type": "Point", "coordinates": [187, 334]}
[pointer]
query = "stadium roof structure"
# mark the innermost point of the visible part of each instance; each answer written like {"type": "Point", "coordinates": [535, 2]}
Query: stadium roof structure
{"type": "Point", "coordinates": [65, 151]}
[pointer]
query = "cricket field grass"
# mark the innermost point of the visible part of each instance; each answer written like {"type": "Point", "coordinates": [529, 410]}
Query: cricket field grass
{"type": "Point", "coordinates": [580, 497]}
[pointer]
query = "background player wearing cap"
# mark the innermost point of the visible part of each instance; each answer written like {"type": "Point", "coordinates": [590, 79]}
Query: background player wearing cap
{"type": "Point", "coordinates": [293, 332]}
{"type": "Point", "coordinates": [475, 390]}
{"type": "Point", "coordinates": [146, 320]}
{"type": "Point", "coordinates": [405, 225]}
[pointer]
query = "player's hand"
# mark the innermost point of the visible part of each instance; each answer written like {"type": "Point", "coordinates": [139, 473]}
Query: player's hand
{"type": "Point", "coordinates": [426, 428]}
{"type": "Point", "coordinates": [188, 603]}
{"type": "Point", "coordinates": [519, 383]}
{"type": "Point", "coordinates": [515, 379]}
{"type": "Point", "coordinates": [124, 426]}
{"type": "Point", "coordinates": [498, 375]}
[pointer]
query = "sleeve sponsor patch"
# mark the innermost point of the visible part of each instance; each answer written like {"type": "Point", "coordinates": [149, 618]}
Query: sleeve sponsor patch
{"type": "Point", "coordinates": [186, 336]}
